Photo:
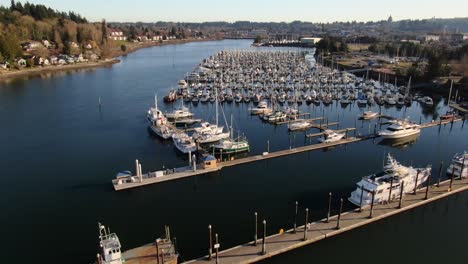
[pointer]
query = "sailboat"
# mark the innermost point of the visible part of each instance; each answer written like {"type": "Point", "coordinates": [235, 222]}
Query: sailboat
{"type": "Point", "coordinates": [231, 145]}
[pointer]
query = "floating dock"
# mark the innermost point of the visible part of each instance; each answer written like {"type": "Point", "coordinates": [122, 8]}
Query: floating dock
{"type": "Point", "coordinates": [252, 252]}
{"type": "Point", "coordinates": [128, 182]}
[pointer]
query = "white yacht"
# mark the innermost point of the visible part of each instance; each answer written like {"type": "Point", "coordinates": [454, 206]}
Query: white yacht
{"type": "Point", "coordinates": [400, 129]}
{"type": "Point", "coordinates": [367, 115]}
{"type": "Point", "coordinates": [262, 108]}
{"type": "Point", "coordinates": [110, 248]}
{"type": "Point", "coordinates": [300, 125]}
{"type": "Point", "coordinates": [184, 143]}
{"type": "Point", "coordinates": [459, 164]}
{"type": "Point", "coordinates": [393, 175]}
{"type": "Point", "coordinates": [163, 131]}
{"type": "Point", "coordinates": [330, 136]}
{"type": "Point", "coordinates": [183, 112]}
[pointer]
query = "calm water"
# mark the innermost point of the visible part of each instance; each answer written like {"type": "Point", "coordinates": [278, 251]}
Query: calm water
{"type": "Point", "coordinates": [59, 152]}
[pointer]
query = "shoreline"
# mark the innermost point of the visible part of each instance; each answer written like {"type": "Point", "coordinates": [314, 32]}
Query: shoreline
{"type": "Point", "coordinates": [7, 76]}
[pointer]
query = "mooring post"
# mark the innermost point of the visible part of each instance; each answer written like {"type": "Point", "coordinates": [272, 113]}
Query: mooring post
{"type": "Point", "coordinates": [190, 157]}
{"type": "Point", "coordinates": [451, 178]}
{"type": "Point", "coordinates": [428, 182]}
{"type": "Point", "coordinates": [372, 204]}
{"type": "Point", "coordinates": [375, 129]}
{"type": "Point", "coordinates": [440, 172]}
{"type": "Point", "coordinates": [339, 214]}
{"type": "Point", "coordinates": [306, 223]}
{"type": "Point", "coordinates": [401, 193]}
{"type": "Point", "coordinates": [264, 238]}
{"type": "Point", "coordinates": [268, 146]}
{"type": "Point", "coordinates": [157, 251]}
{"type": "Point", "coordinates": [416, 182]}
{"type": "Point", "coordinates": [217, 248]}
{"type": "Point", "coordinates": [210, 250]}
{"type": "Point", "coordinates": [256, 229]}
{"type": "Point", "coordinates": [462, 167]}
{"type": "Point", "coordinates": [295, 218]}
{"type": "Point", "coordinates": [329, 206]}
{"type": "Point", "coordinates": [162, 256]}
{"type": "Point", "coordinates": [360, 202]}
{"type": "Point", "coordinates": [420, 119]}
{"type": "Point", "coordinates": [390, 192]}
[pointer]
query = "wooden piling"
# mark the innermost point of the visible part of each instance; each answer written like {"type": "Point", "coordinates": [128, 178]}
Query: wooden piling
{"type": "Point", "coordinates": [372, 204]}
{"type": "Point", "coordinates": [339, 214]}
{"type": "Point", "coordinates": [401, 193]}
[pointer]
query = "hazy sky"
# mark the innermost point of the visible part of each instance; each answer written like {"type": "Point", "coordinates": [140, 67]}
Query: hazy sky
{"type": "Point", "coordinates": [257, 10]}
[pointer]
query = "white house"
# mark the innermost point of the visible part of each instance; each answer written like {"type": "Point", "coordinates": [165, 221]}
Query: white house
{"type": "Point", "coordinates": [116, 34]}
{"type": "Point", "coordinates": [157, 38]}
{"type": "Point", "coordinates": [21, 62]}
{"type": "Point", "coordinates": [431, 37]}
{"type": "Point", "coordinates": [46, 43]}
{"type": "Point", "coordinates": [53, 60]}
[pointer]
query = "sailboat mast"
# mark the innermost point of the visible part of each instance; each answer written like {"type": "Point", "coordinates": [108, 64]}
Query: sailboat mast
{"type": "Point", "coordinates": [216, 106]}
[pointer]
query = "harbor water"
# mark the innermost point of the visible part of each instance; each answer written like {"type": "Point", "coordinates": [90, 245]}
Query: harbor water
{"type": "Point", "coordinates": [65, 136]}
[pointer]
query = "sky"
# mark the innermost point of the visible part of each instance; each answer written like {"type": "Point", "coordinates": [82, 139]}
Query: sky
{"type": "Point", "coordinates": [257, 10]}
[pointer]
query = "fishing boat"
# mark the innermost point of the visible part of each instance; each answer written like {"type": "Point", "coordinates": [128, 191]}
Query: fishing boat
{"type": "Point", "coordinates": [232, 146]}
{"type": "Point", "coordinates": [400, 129]}
{"type": "Point", "coordinates": [386, 185]}
{"type": "Point", "coordinates": [367, 115]}
{"type": "Point", "coordinates": [330, 136]}
{"type": "Point", "coordinates": [171, 97]}
{"type": "Point", "coordinates": [158, 122]}
{"type": "Point", "coordinates": [110, 251]}
{"type": "Point", "coordinates": [184, 143]}
{"type": "Point", "coordinates": [459, 165]}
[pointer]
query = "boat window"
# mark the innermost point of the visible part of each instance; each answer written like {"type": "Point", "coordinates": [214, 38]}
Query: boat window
{"type": "Point", "coordinates": [394, 129]}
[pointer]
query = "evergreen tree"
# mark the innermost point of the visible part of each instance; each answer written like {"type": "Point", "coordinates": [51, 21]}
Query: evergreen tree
{"type": "Point", "coordinates": [104, 32]}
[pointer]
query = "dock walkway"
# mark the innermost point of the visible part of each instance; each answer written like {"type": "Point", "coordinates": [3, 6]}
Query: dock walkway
{"type": "Point", "coordinates": [281, 243]}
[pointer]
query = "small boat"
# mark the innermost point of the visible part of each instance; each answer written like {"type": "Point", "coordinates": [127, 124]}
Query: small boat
{"type": "Point", "coordinates": [232, 146]}
{"type": "Point", "coordinates": [183, 112]}
{"type": "Point", "coordinates": [184, 143]}
{"type": "Point", "coordinates": [262, 108]}
{"type": "Point", "coordinates": [449, 115]}
{"type": "Point", "coordinates": [367, 115]}
{"type": "Point", "coordinates": [299, 125]}
{"type": "Point", "coordinates": [400, 129]}
{"type": "Point", "coordinates": [330, 136]}
{"type": "Point", "coordinates": [171, 97]}
{"type": "Point", "coordinates": [427, 101]}
{"type": "Point", "coordinates": [459, 165]}
{"type": "Point", "coordinates": [387, 184]}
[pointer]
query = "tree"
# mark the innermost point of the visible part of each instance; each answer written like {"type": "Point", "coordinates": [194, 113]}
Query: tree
{"type": "Point", "coordinates": [258, 39]}
{"type": "Point", "coordinates": [10, 47]}
{"type": "Point", "coordinates": [104, 32]}
{"type": "Point", "coordinates": [123, 48]}
{"type": "Point", "coordinates": [30, 63]}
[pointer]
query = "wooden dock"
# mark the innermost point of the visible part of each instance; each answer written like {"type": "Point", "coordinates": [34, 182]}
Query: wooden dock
{"type": "Point", "coordinates": [316, 231]}
{"type": "Point", "coordinates": [188, 171]}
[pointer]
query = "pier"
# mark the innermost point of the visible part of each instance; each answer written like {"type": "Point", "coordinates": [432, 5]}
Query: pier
{"type": "Point", "coordinates": [268, 246]}
{"type": "Point", "coordinates": [141, 179]}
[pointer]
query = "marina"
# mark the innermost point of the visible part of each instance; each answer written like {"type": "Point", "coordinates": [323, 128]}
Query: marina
{"type": "Point", "coordinates": [117, 132]}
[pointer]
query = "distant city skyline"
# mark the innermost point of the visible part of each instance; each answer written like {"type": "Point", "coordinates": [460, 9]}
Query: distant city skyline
{"type": "Point", "coordinates": [256, 11]}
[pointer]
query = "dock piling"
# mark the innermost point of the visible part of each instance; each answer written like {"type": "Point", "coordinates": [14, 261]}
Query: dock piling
{"type": "Point", "coordinates": [306, 223]}
{"type": "Point", "coordinates": [339, 214]}
{"type": "Point", "coordinates": [162, 256]}
{"type": "Point", "coordinates": [329, 206]}
{"type": "Point", "coordinates": [360, 202]}
{"type": "Point", "coordinates": [416, 183]}
{"type": "Point", "coordinates": [451, 178]}
{"type": "Point", "coordinates": [372, 204]}
{"type": "Point", "coordinates": [401, 193]}
{"type": "Point", "coordinates": [256, 229]}
{"type": "Point", "coordinates": [210, 248]}
{"type": "Point", "coordinates": [428, 182]}
{"type": "Point", "coordinates": [462, 168]}
{"type": "Point", "coordinates": [440, 172]}
{"type": "Point", "coordinates": [390, 192]}
{"type": "Point", "coordinates": [157, 250]}
{"type": "Point", "coordinates": [264, 238]}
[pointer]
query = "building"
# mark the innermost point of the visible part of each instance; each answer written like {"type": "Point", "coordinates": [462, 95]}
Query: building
{"type": "Point", "coordinates": [310, 40]}
{"type": "Point", "coordinates": [116, 34]}
{"type": "Point", "coordinates": [210, 162]}
{"type": "Point", "coordinates": [431, 37]}
{"type": "Point", "coordinates": [142, 38]}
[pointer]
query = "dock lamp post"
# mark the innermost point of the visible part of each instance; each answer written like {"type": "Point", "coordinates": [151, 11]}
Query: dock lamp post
{"type": "Point", "coordinates": [256, 229]}
{"type": "Point", "coordinates": [401, 193]}
{"type": "Point", "coordinates": [264, 238]}
{"type": "Point", "coordinates": [295, 218]}
{"type": "Point", "coordinates": [216, 246]}
{"type": "Point", "coordinates": [210, 249]}
{"type": "Point", "coordinates": [329, 206]}
{"type": "Point", "coordinates": [306, 223]}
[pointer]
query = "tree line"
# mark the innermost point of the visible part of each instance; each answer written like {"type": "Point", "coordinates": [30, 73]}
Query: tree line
{"type": "Point", "coordinates": [40, 12]}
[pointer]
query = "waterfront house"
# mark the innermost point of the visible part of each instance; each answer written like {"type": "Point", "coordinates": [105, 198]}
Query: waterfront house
{"type": "Point", "coordinates": [33, 45]}
{"type": "Point", "coordinates": [142, 38]}
{"type": "Point", "coordinates": [94, 57]}
{"type": "Point", "coordinates": [46, 43]}
{"type": "Point", "coordinates": [41, 61]}
{"type": "Point", "coordinates": [89, 46]}
{"type": "Point", "coordinates": [157, 38]}
{"type": "Point", "coordinates": [21, 62]}
{"type": "Point", "coordinates": [209, 162]}
{"type": "Point", "coordinates": [116, 34]}
{"type": "Point", "coordinates": [4, 65]}
{"type": "Point", "coordinates": [53, 60]}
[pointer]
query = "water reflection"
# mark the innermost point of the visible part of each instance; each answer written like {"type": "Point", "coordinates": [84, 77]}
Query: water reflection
{"type": "Point", "coordinates": [400, 143]}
